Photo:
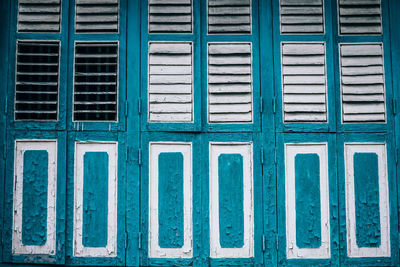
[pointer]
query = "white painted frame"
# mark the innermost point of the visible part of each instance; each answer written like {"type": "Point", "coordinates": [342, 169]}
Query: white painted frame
{"type": "Point", "coordinates": [110, 250]}
{"type": "Point", "coordinates": [155, 251]}
{"type": "Point", "coordinates": [353, 250]}
{"type": "Point", "coordinates": [246, 150]}
{"type": "Point", "coordinates": [22, 145]}
{"type": "Point", "coordinates": [292, 250]}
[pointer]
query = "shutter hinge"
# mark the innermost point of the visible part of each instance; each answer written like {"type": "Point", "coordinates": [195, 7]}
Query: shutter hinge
{"type": "Point", "coordinates": [140, 156]}
{"type": "Point", "coordinates": [397, 155]}
{"type": "Point", "coordinates": [140, 106]}
{"type": "Point", "coordinates": [261, 105]}
{"type": "Point", "coordinates": [394, 106]}
{"type": "Point", "coordinates": [276, 242]}
{"type": "Point", "coordinates": [6, 104]}
{"type": "Point", "coordinates": [139, 240]}
{"type": "Point", "coordinates": [262, 155]}
{"type": "Point", "coordinates": [128, 153]}
{"type": "Point", "coordinates": [274, 105]}
{"type": "Point", "coordinates": [275, 156]}
{"type": "Point", "coordinates": [264, 240]}
{"type": "Point", "coordinates": [126, 108]}
{"type": "Point", "coordinates": [126, 240]}
{"type": "Point", "coordinates": [4, 151]}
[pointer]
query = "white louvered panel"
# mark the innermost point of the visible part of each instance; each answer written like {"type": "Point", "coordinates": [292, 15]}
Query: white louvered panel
{"type": "Point", "coordinates": [302, 16]}
{"type": "Point", "coordinates": [230, 87]}
{"type": "Point", "coordinates": [362, 83]}
{"type": "Point", "coordinates": [170, 16]}
{"type": "Point", "coordinates": [39, 15]}
{"type": "Point", "coordinates": [304, 82]}
{"type": "Point", "coordinates": [96, 16]}
{"type": "Point", "coordinates": [229, 16]}
{"type": "Point", "coordinates": [170, 82]}
{"type": "Point", "coordinates": [360, 17]}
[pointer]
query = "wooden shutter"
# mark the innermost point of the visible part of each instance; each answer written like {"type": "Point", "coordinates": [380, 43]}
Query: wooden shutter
{"type": "Point", "coordinates": [37, 79]}
{"type": "Point", "coordinates": [300, 17]}
{"type": "Point", "coordinates": [95, 81]}
{"type": "Point", "coordinates": [362, 82]}
{"type": "Point", "coordinates": [304, 82]}
{"type": "Point", "coordinates": [170, 16]}
{"type": "Point", "coordinates": [170, 82]}
{"type": "Point", "coordinates": [360, 17]}
{"type": "Point", "coordinates": [39, 15]}
{"type": "Point", "coordinates": [230, 97]}
{"type": "Point", "coordinates": [96, 16]}
{"type": "Point", "coordinates": [229, 16]}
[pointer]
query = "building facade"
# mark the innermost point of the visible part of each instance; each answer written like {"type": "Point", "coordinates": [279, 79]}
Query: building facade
{"type": "Point", "coordinates": [199, 132]}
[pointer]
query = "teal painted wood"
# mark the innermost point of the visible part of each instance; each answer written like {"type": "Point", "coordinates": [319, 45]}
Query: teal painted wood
{"type": "Point", "coordinates": [95, 199]}
{"type": "Point", "coordinates": [170, 205]}
{"type": "Point", "coordinates": [267, 147]}
{"type": "Point", "coordinates": [4, 46]}
{"type": "Point", "coordinates": [384, 38]}
{"type": "Point", "coordinates": [330, 139]}
{"type": "Point", "coordinates": [395, 56]}
{"type": "Point", "coordinates": [60, 123]}
{"type": "Point", "coordinates": [255, 139]}
{"type": "Point", "coordinates": [132, 183]}
{"type": "Point", "coordinates": [331, 89]}
{"type": "Point", "coordinates": [34, 197]}
{"type": "Point", "coordinates": [59, 256]}
{"type": "Point", "coordinates": [231, 221]}
{"type": "Point", "coordinates": [120, 37]}
{"type": "Point", "coordinates": [197, 216]}
{"type": "Point", "coordinates": [308, 201]}
{"type": "Point", "coordinates": [368, 138]}
{"type": "Point", "coordinates": [366, 176]}
{"type": "Point", "coordinates": [88, 138]}
{"type": "Point", "coordinates": [193, 37]}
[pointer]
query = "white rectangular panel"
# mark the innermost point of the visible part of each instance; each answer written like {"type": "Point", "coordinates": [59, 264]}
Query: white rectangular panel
{"type": "Point", "coordinates": [246, 150]}
{"type": "Point", "coordinates": [155, 251]}
{"type": "Point", "coordinates": [353, 250]}
{"type": "Point", "coordinates": [110, 250]}
{"type": "Point", "coordinates": [292, 250]}
{"type": "Point", "coordinates": [50, 245]}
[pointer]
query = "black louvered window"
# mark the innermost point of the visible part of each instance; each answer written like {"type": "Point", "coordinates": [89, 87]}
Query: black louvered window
{"type": "Point", "coordinates": [37, 78]}
{"type": "Point", "coordinates": [95, 82]}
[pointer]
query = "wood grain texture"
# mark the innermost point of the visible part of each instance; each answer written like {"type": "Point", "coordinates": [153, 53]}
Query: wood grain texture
{"type": "Point", "coordinates": [97, 16]}
{"type": "Point", "coordinates": [229, 17]}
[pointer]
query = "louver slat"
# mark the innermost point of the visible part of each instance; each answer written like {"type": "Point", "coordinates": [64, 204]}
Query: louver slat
{"type": "Point", "coordinates": [230, 89]}
{"type": "Point", "coordinates": [97, 16]}
{"type": "Point", "coordinates": [304, 82]}
{"type": "Point", "coordinates": [360, 17]}
{"type": "Point", "coordinates": [95, 81]}
{"type": "Point", "coordinates": [170, 82]}
{"type": "Point", "coordinates": [36, 88]}
{"type": "Point", "coordinates": [362, 82]}
{"type": "Point", "coordinates": [229, 16]}
{"type": "Point", "coordinates": [39, 15]}
{"type": "Point", "coordinates": [170, 16]}
{"type": "Point", "coordinates": [302, 17]}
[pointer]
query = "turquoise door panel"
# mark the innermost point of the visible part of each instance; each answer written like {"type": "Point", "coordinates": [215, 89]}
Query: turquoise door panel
{"type": "Point", "coordinates": [95, 207]}
{"type": "Point", "coordinates": [367, 197]}
{"type": "Point", "coordinates": [307, 199]}
{"type": "Point", "coordinates": [35, 203]}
